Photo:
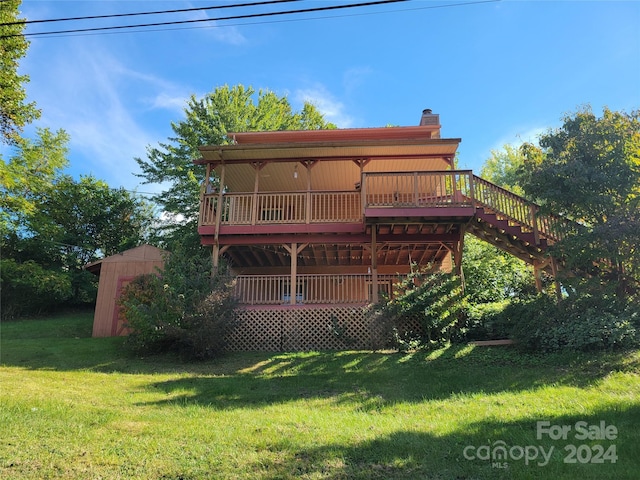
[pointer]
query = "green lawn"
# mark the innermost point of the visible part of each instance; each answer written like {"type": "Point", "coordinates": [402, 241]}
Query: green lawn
{"type": "Point", "coordinates": [74, 407]}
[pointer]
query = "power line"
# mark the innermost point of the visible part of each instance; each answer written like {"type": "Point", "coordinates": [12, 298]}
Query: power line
{"type": "Point", "coordinates": [159, 12]}
{"type": "Point", "coordinates": [233, 17]}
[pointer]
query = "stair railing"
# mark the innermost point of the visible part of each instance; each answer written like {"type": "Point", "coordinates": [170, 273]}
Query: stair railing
{"type": "Point", "coordinates": [520, 211]}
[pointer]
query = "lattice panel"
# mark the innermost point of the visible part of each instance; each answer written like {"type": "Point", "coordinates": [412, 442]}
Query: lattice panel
{"type": "Point", "coordinates": [299, 329]}
{"type": "Point", "coordinates": [259, 330]}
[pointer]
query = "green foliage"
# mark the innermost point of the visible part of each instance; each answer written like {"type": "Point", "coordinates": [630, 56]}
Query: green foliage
{"type": "Point", "coordinates": [503, 168]}
{"type": "Point", "coordinates": [492, 275]}
{"type": "Point", "coordinates": [183, 310]}
{"type": "Point", "coordinates": [88, 219]}
{"type": "Point", "coordinates": [72, 223]}
{"type": "Point", "coordinates": [15, 113]}
{"type": "Point", "coordinates": [434, 300]}
{"type": "Point", "coordinates": [28, 288]}
{"type": "Point", "coordinates": [484, 321]}
{"type": "Point", "coordinates": [29, 174]}
{"type": "Point", "coordinates": [208, 120]}
{"type": "Point", "coordinates": [584, 323]}
{"type": "Point", "coordinates": [589, 171]}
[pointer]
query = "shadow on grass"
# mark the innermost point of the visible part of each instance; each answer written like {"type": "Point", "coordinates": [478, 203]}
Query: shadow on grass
{"type": "Point", "coordinates": [470, 454]}
{"type": "Point", "coordinates": [368, 380]}
{"type": "Point", "coordinates": [486, 449]}
{"type": "Point", "coordinates": [371, 381]}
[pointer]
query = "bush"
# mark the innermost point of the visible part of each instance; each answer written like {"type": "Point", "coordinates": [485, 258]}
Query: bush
{"type": "Point", "coordinates": [433, 300]}
{"type": "Point", "coordinates": [584, 322]}
{"type": "Point", "coordinates": [202, 333]}
{"type": "Point", "coordinates": [182, 310]}
{"type": "Point", "coordinates": [28, 288]}
{"type": "Point", "coordinates": [484, 321]}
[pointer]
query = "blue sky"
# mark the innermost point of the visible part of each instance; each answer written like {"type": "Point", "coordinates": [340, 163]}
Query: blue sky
{"type": "Point", "coordinates": [496, 72]}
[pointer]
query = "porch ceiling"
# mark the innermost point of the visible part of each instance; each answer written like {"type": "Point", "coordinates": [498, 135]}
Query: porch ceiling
{"type": "Point", "coordinates": [336, 255]}
{"type": "Point", "coordinates": [322, 176]}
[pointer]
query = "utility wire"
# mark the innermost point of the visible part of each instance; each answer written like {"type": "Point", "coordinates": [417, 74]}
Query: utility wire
{"type": "Point", "coordinates": [159, 12]}
{"type": "Point", "coordinates": [233, 17]}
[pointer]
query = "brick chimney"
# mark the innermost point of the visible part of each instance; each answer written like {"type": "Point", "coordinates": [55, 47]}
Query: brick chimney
{"type": "Point", "coordinates": [432, 119]}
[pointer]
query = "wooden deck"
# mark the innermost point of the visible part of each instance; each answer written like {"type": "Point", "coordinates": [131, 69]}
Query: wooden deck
{"type": "Point", "coordinates": [386, 195]}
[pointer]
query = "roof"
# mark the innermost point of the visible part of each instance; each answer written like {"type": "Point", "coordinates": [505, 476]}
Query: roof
{"type": "Point", "coordinates": [142, 253]}
{"type": "Point", "coordinates": [287, 146]}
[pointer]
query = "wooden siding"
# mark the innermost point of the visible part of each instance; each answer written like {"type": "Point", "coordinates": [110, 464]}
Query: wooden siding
{"type": "Point", "coordinates": [115, 272]}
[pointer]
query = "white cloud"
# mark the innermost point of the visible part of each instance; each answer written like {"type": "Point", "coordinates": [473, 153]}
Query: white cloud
{"type": "Point", "coordinates": [176, 103]}
{"type": "Point", "coordinates": [519, 136]}
{"type": "Point", "coordinates": [332, 109]}
{"type": "Point", "coordinates": [223, 34]}
{"type": "Point", "coordinates": [104, 106]}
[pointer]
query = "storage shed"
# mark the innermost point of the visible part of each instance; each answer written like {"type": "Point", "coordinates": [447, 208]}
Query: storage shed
{"type": "Point", "coordinates": [115, 273]}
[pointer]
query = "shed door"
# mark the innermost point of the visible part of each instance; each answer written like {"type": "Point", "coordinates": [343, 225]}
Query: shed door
{"type": "Point", "coordinates": [117, 324]}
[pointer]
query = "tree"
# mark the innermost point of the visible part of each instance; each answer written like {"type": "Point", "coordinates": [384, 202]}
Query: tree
{"type": "Point", "coordinates": [15, 112]}
{"type": "Point", "coordinates": [503, 167]}
{"type": "Point", "coordinates": [72, 224]}
{"type": "Point", "coordinates": [29, 174]}
{"type": "Point", "coordinates": [87, 219]}
{"type": "Point", "coordinates": [589, 170]}
{"type": "Point", "coordinates": [492, 275]}
{"type": "Point", "coordinates": [207, 122]}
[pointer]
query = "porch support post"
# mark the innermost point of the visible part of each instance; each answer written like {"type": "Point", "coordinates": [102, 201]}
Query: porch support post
{"type": "Point", "coordinates": [457, 257]}
{"type": "Point", "coordinates": [294, 272]}
{"type": "Point", "coordinates": [294, 250]}
{"type": "Point", "coordinates": [554, 270]}
{"type": "Point", "coordinates": [219, 212]}
{"type": "Point", "coordinates": [374, 265]}
{"type": "Point", "coordinates": [537, 275]}
{"type": "Point", "coordinates": [307, 213]}
{"type": "Point", "coordinates": [254, 203]}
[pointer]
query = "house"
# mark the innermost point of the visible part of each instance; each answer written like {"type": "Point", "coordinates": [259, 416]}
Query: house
{"type": "Point", "coordinates": [114, 273]}
{"type": "Point", "coordinates": [317, 224]}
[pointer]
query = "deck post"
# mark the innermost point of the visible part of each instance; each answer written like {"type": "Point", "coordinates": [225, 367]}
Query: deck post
{"type": "Point", "coordinates": [219, 211]}
{"type": "Point", "coordinates": [254, 206]}
{"type": "Point", "coordinates": [537, 275]}
{"type": "Point", "coordinates": [457, 257]}
{"type": "Point", "coordinates": [307, 214]}
{"type": "Point", "coordinates": [374, 265]}
{"type": "Point", "coordinates": [293, 290]}
{"type": "Point", "coordinates": [534, 223]}
{"type": "Point", "coordinates": [215, 259]}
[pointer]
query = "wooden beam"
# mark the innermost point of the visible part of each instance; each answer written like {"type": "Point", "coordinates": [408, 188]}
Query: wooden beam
{"type": "Point", "coordinates": [294, 271]}
{"type": "Point", "coordinates": [374, 265]}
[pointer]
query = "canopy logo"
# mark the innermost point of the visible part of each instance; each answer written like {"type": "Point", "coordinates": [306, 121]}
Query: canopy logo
{"type": "Point", "coordinates": [500, 454]}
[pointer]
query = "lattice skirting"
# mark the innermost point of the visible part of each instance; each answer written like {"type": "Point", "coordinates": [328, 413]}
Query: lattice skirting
{"type": "Point", "coordinates": [308, 328]}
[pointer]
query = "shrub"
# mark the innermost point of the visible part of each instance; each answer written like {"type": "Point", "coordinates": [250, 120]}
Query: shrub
{"type": "Point", "coordinates": [146, 310]}
{"type": "Point", "coordinates": [433, 300]}
{"type": "Point", "coordinates": [584, 322]}
{"type": "Point", "coordinates": [182, 310]}
{"type": "Point", "coordinates": [484, 321]}
{"type": "Point", "coordinates": [28, 288]}
{"type": "Point", "coordinates": [202, 333]}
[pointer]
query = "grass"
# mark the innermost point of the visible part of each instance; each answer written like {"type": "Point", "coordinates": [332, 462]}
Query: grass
{"type": "Point", "coordinates": [74, 407]}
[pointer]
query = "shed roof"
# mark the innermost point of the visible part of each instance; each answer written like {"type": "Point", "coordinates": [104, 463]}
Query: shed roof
{"type": "Point", "coordinates": [142, 253]}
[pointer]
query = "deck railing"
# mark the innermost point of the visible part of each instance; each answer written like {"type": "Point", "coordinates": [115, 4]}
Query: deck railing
{"type": "Point", "coordinates": [455, 188]}
{"type": "Point", "coordinates": [520, 211]}
{"type": "Point", "coordinates": [418, 189]}
{"type": "Point", "coordinates": [310, 289]}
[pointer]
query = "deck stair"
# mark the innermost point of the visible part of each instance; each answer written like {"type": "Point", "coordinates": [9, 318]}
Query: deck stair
{"type": "Point", "coordinates": [514, 224]}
